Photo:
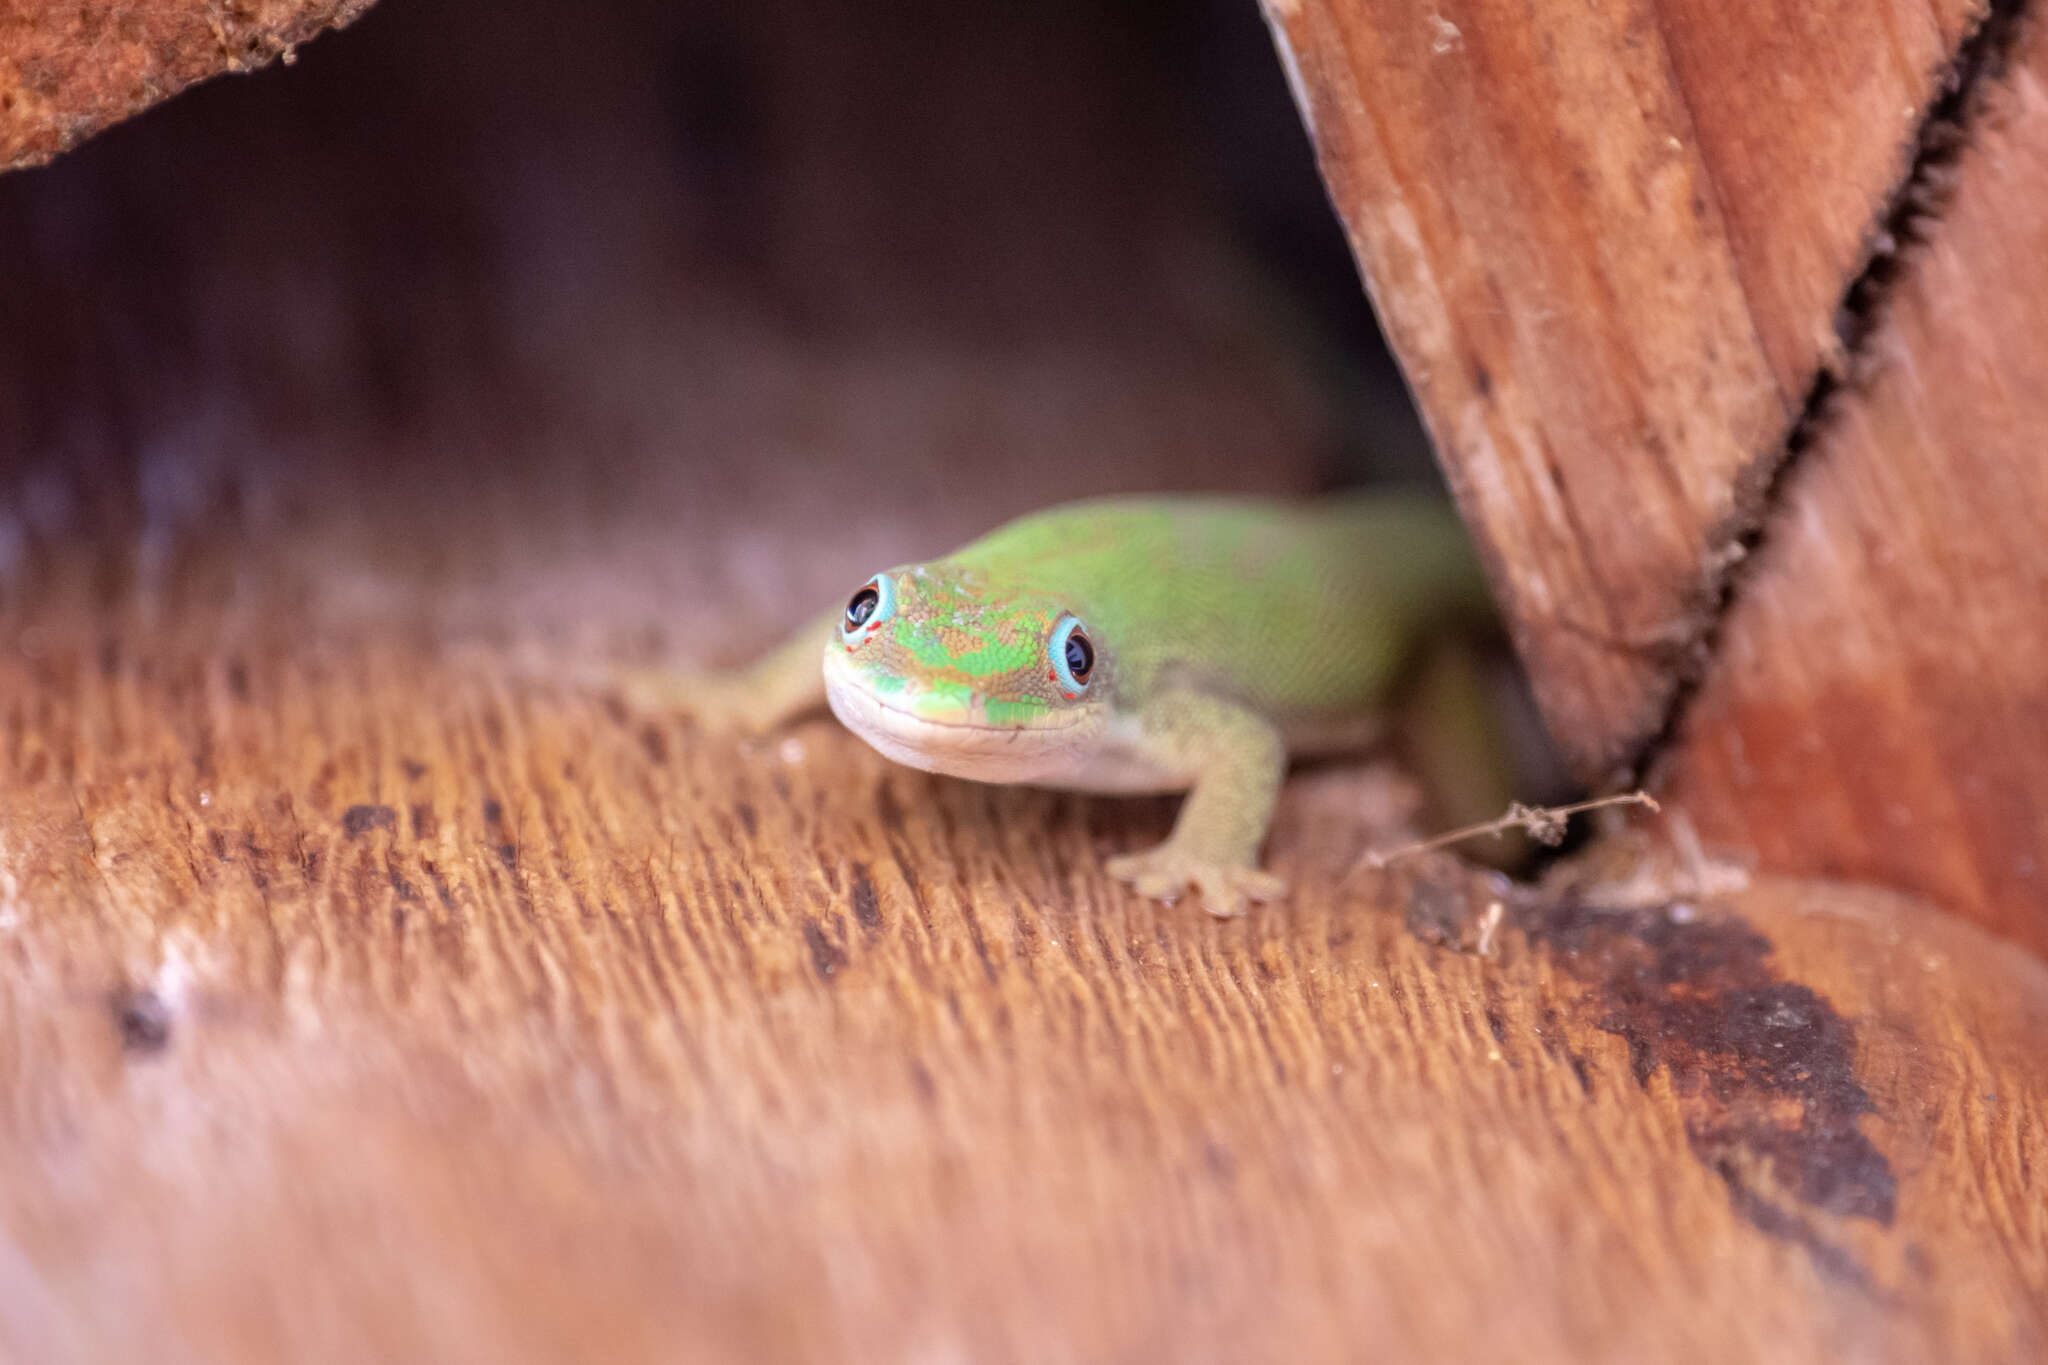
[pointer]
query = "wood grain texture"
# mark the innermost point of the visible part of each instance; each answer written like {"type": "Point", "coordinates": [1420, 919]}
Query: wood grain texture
{"type": "Point", "coordinates": [67, 71]}
{"type": "Point", "coordinates": [373, 986]}
{"type": "Point", "coordinates": [1879, 704]}
{"type": "Point", "coordinates": [360, 1002]}
{"type": "Point", "coordinates": [1608, 243]}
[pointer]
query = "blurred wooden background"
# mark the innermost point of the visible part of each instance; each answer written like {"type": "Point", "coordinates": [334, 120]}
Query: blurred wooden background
{"type": "Point", "coordinates": [377, 987]}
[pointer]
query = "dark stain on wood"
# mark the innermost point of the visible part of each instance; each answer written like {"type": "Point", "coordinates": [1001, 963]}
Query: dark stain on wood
{"type": "Point", "coordinates": [256, 861]}
{"type": "Point", "coordinates": [143, 1019]}
{"type": "Point", "coordinates": [654, 744]}
{"type": "Point", "coordinates": [357, 821]}
{"type": "Point", "coordinates": [1764, 1068]}
{"type": "Point", "coordinates": [400, 886]}
{"type": "Point", "coordinates": [441, 889]}
{"type": "Point", "coordinates": [826, 956]}
{"type": "Point", "coordinates": [867, 906]}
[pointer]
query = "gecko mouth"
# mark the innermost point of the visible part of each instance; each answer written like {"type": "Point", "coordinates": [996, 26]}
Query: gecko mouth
{"type": "Point", "coordinates": [961, 748]}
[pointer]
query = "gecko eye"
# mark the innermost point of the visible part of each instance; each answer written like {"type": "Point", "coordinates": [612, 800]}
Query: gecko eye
{"type": "Point", "coordinates": [1073, 656]}
{"type": "Point", "coordinates": [868, 608]}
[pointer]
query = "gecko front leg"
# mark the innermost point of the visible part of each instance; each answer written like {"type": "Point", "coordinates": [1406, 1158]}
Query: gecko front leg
{"type": "Point", "coordinates": [1237, 758]}
{"type": "Point", "coordinates": [764, 695]}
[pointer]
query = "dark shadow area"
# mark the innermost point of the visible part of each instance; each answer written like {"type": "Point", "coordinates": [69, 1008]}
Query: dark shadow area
{"type": "Point", "coordinates": [453, 198]}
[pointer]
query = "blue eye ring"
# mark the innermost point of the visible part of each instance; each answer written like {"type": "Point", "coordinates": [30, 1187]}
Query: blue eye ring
{"type": "Point", "coordinates": [1072, 655]}
{"type": "Point", "coordinates": [867, 609]}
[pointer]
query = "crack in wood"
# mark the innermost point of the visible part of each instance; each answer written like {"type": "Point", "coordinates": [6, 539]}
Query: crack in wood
{"type": "Point", "coordinates": [1915, 211]}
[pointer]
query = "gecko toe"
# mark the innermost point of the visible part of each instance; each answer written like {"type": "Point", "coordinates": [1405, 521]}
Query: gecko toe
{"type": "Point", "coordinates": [1227, 892]}
{"type": "Point", "coordinates": [1165, 874]}
{"type": "Point", "coordinates": [1155, 884]}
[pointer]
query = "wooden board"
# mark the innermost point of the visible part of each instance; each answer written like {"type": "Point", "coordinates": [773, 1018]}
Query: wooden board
{"type": "Point", "coordinates": [372, 986]}
{"type": "Point", "coordinates": [67, 71]}
{"type": "Point", "coordinates": [361, 1001]}
{"type": "Point", "coordinates": [1608, 242]}
{"type": "Point", "coordinates": [1878, 706]}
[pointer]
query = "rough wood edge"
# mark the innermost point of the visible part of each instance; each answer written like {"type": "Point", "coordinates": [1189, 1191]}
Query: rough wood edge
{"type": "Point", "coordinates": [68, 73]}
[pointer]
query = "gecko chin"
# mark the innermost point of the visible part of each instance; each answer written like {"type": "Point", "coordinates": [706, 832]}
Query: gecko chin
{"type": "Point", "coordinates": [951, 740]}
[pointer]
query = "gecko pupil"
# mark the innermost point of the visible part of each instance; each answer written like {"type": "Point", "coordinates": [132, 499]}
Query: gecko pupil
{"type": "Point", "coordinates": [1080, 656]}
{"type": "Point", "coordinates": [861, 608]}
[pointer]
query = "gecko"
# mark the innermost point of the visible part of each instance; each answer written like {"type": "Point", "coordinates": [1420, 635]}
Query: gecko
{"type": "Point", "coordinates": [1129, 645]}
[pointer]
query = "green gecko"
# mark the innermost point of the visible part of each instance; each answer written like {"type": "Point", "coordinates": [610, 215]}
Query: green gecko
{"type": "Point", "coordinates": [1134, 644]}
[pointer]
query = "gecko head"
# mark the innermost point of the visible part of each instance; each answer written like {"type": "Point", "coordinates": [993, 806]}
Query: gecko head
{"type": "Point", "coordinates": [938, 670]}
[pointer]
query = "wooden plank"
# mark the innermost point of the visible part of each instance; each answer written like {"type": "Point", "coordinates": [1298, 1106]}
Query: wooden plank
{"type": "Point", "coordinates": [360, 1002]}
{"type": "Point", "coordinates": [1879, 704]}
{"type": "Point", "coordinates": [67, 71]}
{"type": "Point", "coordinates": [1608, 242]}
{"type": "Point", "coordinates": [1806, 116]}
{"type": "Point", "coordinates": [372, 986]}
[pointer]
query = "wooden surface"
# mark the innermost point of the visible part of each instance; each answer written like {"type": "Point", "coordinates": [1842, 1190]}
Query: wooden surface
{"type": "Point", "coordinates": [372, 986]}
{"type": "Point", "coordinates": [1615, 250]}
{"type": "Point", "coordinates": [361, 1002]}
{"type": "Point", "coordinates": [1879, 702]}
{"type": "Point", "coordinates": [1608, 243]}
{"type": "Point", "coordinates": [69, 70]}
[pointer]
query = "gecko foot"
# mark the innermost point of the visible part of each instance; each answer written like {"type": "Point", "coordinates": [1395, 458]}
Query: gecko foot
{"type": "Point", "coordinates": [718, 702]}
{"type": "Point", "coordinates": [1165, 873]}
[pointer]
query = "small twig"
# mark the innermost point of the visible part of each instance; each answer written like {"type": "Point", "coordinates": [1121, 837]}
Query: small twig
{"type": "Point", "coordinates": [1545, 824]}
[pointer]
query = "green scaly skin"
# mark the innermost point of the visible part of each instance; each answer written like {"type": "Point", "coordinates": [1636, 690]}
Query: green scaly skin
{"type": "Point", "coordinates": [1226, 633]}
